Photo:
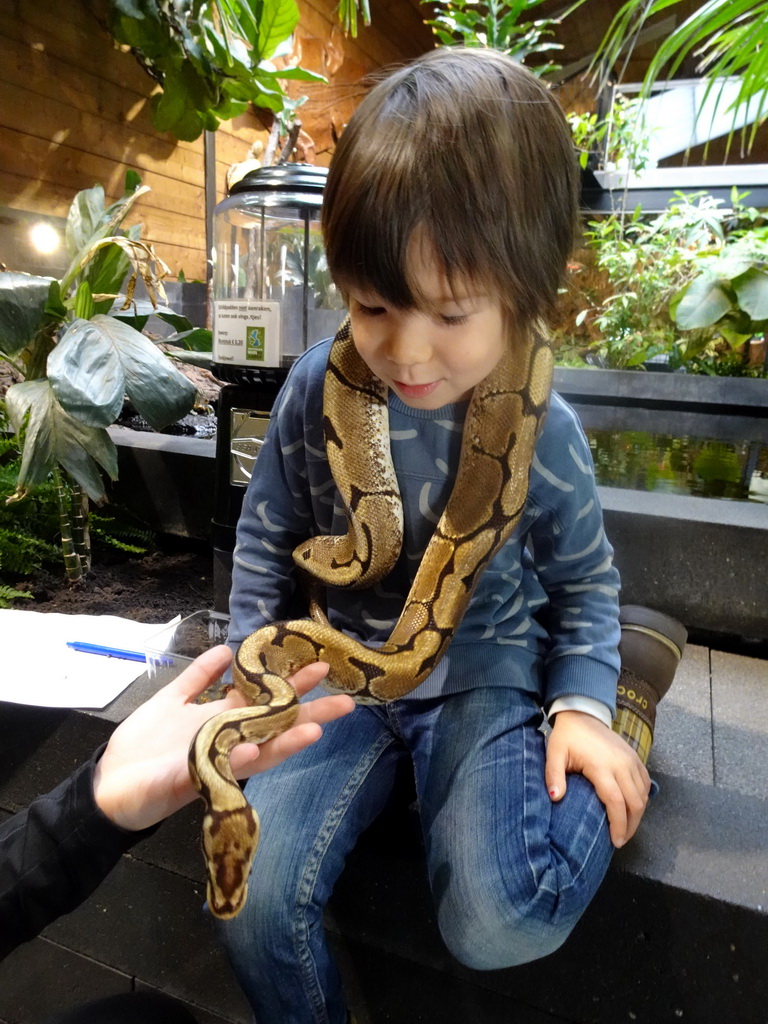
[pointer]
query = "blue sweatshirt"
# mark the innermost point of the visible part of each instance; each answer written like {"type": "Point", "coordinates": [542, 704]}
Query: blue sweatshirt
{"type": "Point", "coordinates": [544, 617]}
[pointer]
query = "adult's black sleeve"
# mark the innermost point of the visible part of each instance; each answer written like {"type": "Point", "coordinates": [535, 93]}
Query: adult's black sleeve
{"type": "Point", "coordinates": [54, 854]}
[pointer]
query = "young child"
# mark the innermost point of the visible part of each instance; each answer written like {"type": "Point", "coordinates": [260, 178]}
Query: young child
{"type": "Point", "coordinates": [449, 213]}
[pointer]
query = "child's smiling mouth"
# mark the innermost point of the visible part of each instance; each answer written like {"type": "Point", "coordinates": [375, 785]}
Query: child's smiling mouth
{"type": "Point", "coordinates": [416, 390]}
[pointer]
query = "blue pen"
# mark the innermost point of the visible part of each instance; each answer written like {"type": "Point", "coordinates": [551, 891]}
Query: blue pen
{"type": "Point", "coordinates": [108, 652]}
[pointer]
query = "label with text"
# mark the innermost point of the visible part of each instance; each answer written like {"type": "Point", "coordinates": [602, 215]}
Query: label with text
{"type": "Point", "coordinates": [246, 332]}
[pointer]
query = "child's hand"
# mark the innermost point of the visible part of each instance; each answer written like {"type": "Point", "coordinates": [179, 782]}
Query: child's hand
{"type": "Point", "coordinates": [580, 743]}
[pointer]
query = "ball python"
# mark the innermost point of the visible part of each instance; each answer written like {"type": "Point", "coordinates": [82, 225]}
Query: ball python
{"type": "Point", "coordinates": [502, 423]}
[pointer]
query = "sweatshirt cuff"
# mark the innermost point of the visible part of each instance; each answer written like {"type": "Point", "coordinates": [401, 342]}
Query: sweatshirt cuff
{"type": "Point", "coordinates": [579, 675]}
{"type": "Point", "coordinates": [587, 705]}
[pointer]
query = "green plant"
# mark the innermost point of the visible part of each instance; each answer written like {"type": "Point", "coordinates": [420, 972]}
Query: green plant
{"type": "Point", "coordinates": [286, 253]}
{"type": "Point", "coordinates": [29, 526]}
{"type": "Point", "coordinates": [116, 528]}
{"type": "Point", "coordinates": [78, 357]}
{"type": "Point", "coordinates": [29, 529]}
{"type": "Point", "coordinates": [647, 262]}
{"type": "Point", "coordinates": [729, 290]}
{"type": "Point", "coordinates": [348, 12]}
{"type": "Point", "coordinates": [497, 24]}
{"type": "Point", "coordinates": [620, 140]}
{"type": "Point", "coordinates": [10, 594]}
{"type": "Point", "coordinates": [211, 58]}
{"type": "Point", "coordinates": [730, 38]}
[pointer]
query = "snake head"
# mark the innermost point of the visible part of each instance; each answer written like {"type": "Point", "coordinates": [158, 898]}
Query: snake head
{"type": "Point", "coordinates": [230, 839]}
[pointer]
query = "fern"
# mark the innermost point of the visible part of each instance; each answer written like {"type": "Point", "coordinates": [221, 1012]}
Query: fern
{"type": "Point", "coordinates": [30, 535]}
{"type": "Point", "coordinates": [117, 528]}
{"type": "Point", "coordinates": [9, 594]}
{"type": "Point", "coordinates": [28, 528]}
{"type": "Point", "coordinates": [20, 553]}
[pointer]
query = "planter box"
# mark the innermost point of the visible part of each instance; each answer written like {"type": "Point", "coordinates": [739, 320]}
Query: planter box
{"type": "Point", "coordinates": [166, 480]}
{"type": "Point", "coordinates": [746, 395]}
{"type": "Point", "coordinates": [692, 557]}
{"type": "Point", "coordinates": [700, 560]}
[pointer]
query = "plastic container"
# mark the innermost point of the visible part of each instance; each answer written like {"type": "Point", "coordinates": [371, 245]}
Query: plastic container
{"type": "Point", "coordinates": [174, 649]}
{"type": "Point", "coordinates": [272, 293]}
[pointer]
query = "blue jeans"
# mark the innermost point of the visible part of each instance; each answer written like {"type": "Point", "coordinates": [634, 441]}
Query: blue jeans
{"type": "Point", "coordinates": [511, 873]}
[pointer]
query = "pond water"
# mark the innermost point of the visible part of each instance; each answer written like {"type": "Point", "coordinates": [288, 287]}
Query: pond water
{"type": "Point", "coordinates": [704, 467]}
{"type": "Point", "coordinates": [696, 454]}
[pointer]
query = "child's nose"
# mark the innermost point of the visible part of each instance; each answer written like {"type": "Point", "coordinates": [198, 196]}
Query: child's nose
{"type": "Point", "coordinates": [407, 343]}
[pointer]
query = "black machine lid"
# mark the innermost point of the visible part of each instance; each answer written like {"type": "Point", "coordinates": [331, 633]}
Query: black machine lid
{"type": "Point", "coordinates": [302, 180]}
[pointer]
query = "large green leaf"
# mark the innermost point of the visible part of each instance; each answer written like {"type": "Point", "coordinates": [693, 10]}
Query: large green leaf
{"type": "Point", "coordinates": [289, 74]}
{"type": "Point", "coordinates": [177, 320]}
{"type": "Point", "coordinates": [144, 32]}
{"type": "Point", "coordinates": [160, 393]}
{"type": "Point", "coordinates": [23, 298]}
{"type": "Point", "coordinates": [202, 358]}
{"type": "Point", "coordinates": [266, 91]}
{"type": "Point", "coordinates": [140, 310]}
{"type": "Point", "coordinates": [86, 373]}
{"type": "Point", "coordinates": [730, 265]}
{"type": "Point", "coordinates": [197, 339]}
{"type": "Point", "coordinates": [107, 270]}
{"type": "Point", "coordinates": [752, 292]}
{"type": "Point", "coordinates": [85, 217]}
{"type": "Point", "coordinates": [278, 20]}
{"type": "Point", "coordinates": [181, 106]}
{"type": "Point", "coordinates": [704, 301]}
{"type": "Point", "coordinates": [52, 436]}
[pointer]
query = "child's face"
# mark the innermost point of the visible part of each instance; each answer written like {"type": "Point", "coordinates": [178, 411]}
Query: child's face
{"type": "Point", "coordinates": [430, 361]}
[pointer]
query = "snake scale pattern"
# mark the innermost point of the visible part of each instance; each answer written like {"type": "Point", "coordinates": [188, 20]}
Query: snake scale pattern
{"type": "Point", "coordinates": [488, 497]}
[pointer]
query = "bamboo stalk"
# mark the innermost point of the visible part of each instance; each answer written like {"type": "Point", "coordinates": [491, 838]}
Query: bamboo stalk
{"type": "Point", "coordinates": [81, 535]}
{"type": "Point", "coordinates": [72, 565]}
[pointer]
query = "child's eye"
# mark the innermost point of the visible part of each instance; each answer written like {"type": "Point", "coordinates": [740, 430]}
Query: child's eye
{"type": "Point", "coordinates": [370, 310]}
{"type": "Point", "coordinates": [454, 321]}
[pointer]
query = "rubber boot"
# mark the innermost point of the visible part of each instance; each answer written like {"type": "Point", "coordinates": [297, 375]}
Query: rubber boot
{"type": "Point", "coordinates": [651, 647]}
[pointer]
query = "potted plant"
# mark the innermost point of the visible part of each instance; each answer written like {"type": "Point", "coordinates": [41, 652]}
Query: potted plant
{"type": "Point", "coordinates": [75, 347]}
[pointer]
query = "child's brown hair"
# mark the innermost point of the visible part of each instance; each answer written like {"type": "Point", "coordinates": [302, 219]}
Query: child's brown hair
{"type": "Point", "coordinates": [470, 151]}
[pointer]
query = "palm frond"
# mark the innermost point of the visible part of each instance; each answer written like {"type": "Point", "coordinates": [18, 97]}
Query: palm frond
{"type": "Point", "coordinates": [729, 38]}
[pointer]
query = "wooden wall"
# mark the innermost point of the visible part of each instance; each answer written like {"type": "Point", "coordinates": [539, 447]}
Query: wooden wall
{"type": "Point", "coordinates": [75, 111]}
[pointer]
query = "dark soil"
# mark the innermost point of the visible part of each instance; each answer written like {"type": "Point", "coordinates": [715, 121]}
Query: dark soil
{"type": "Point", "coordinates": [175, 579]}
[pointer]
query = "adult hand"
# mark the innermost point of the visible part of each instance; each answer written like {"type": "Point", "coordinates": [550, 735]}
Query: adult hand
{"type": "Point", "coordinates": [143, 776]}
{"type": "Point", "coordinates": [581, 743]}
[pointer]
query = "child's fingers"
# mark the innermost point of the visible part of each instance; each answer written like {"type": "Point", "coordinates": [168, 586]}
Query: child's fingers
{"type": "Point", "coordinates": [612, 797]}
{"type": "Point", "coordinates": [636, 791]}
{"type": "Point", "coordinates": [554, 771]}
{"type": "Point", "coordinates": [628, 801]}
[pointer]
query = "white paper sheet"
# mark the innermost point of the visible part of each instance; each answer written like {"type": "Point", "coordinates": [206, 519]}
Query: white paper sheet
{"type": "Point", "coordinates": [37, 667]}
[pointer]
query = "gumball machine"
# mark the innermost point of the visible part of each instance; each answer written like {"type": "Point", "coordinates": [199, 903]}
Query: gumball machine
{"type": "Point", "coordinates": [273, 297]}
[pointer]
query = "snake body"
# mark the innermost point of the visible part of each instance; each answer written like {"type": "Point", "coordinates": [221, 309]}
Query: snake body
{"type": "Point", "coordinates": [487, 500]}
